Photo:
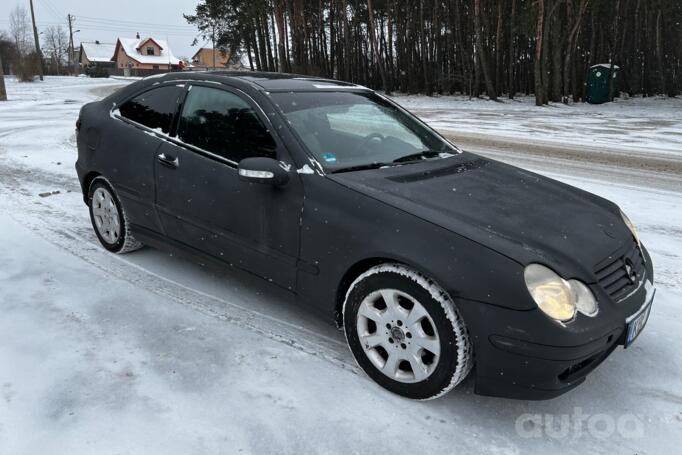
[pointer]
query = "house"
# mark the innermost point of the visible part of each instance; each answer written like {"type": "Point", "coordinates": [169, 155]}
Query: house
{"type": "Point", "coordinates": [143, 57]}
{"type": "Point", "coordinates": [95, 58]}
{"type": "Point", "coordinates": [203, 59]}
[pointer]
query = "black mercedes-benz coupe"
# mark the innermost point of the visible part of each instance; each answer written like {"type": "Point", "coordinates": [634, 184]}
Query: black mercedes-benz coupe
{"type": "Point", "coordinates": [437, 263]}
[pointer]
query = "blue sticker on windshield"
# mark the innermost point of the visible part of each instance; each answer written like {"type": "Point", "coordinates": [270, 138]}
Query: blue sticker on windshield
{"type": "Point", "coordinates": [329, 157]}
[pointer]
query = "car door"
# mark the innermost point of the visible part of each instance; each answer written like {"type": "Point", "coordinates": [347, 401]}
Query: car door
{"type": "Point", "coordinates": [129, 163]}
{"type": "Point", "coordinates": [203, 203]}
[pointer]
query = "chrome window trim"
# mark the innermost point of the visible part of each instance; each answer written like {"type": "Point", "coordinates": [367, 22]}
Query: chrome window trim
{"type": "Point", "coordinates": [178, 142]}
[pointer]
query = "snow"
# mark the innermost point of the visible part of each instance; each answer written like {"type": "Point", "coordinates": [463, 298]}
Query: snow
{"type": "Point", "coordinates": [305, 170]}
{"type": "Point", "coordinates": [130, 46]}
{"type": "Point", "coordinates": [149, 353]}
{"type": "Point", "coordinates": [99, 52]}
{"type": "Point", "coordinates": [155, 76]}
{"type": "Point", "coordinates": [642, 125]}
{"type": "Point", "coordinates": [605, 65]}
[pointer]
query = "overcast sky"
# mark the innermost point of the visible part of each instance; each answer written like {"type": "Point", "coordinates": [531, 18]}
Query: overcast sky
{"type": "Point", "coordinates": [106, 20]}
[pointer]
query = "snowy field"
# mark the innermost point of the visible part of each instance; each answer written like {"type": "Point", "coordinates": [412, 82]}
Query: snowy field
{"type": "Point", "coordinates": [148, 353]}
{"type": "Point", "coordinates": [628, 124]}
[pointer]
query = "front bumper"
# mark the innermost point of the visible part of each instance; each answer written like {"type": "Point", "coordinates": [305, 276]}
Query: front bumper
{"type": "Point", "coordinates": [528, 371]}
{"type": "Point", "coordinates": [508, 365]}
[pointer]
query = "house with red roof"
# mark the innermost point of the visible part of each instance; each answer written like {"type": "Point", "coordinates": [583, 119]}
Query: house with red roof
{"type": "Point", "coordinates": [144, 56]}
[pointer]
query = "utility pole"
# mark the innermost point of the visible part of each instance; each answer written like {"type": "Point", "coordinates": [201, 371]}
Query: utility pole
{"type": "Point", "coordinates": [3, 91]}
{"type": "Point", "coordinates": [35, 38]}
{"type": "Point", "coordinates": [170, 68]}
{"type": "Point", "coordinates": [213, 43]}
{"type": "Point", "coordinates": [72, 60]}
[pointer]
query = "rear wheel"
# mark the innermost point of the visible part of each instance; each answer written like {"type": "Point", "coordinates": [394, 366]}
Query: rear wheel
{"type": "Point", "coordinates": [406, 333]}
{"type": "Point", "coordinates": [109, 219]}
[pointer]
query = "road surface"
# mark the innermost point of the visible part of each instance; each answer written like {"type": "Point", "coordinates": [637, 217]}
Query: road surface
{"type": "Point", "coordinates": [150, 353]}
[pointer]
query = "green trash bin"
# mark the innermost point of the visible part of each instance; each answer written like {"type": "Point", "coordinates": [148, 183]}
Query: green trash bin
{"type": "Point", "coordinates": [598, 83]}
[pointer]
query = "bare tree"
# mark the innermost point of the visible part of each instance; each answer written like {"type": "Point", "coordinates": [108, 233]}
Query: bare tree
{"type": "Point", "coordinates": [570, 48]}
{"type": "Point", "coordinates": [537, 64]}
{"type": "Point", "coordinates": [57, 46]}
{"type": "Point", "coordinates": [482, 52]}
{"type": "Point", "coordinates": [20, 30]}
{"type": "Point", "coordinates": [512, 50]}
{"type": "Point", "coordinates": [373, 45]}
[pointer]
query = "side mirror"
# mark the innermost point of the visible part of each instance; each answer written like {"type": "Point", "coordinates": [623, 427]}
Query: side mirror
{"type": "Point", "coordinates": [262, 170]}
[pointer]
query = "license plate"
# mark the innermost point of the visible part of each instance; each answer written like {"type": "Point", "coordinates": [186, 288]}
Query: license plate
{"type": "Point", "coordinates": [636, 322]}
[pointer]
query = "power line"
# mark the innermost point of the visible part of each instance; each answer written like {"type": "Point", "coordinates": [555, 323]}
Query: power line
{"type": "Point", "coordinates": [135, 29]}
{"type": "Point", "coordinates": [132, 23]}
{"type": "Point", "coordinates": [52, 10]}
{"type": "Point", "coordinates": [82, 24]}
{"type": "Point", "coordinates": [104, 19]}
{"type": "Point", "coordinates": [129, 30]}
{"type": "Point", "coordinates": [6, 21]}
{"type": "Point", "coordinates": [92, 23]}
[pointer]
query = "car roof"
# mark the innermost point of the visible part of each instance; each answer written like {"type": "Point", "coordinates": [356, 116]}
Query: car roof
{"type": "Point", "coordinates": [270, 82]}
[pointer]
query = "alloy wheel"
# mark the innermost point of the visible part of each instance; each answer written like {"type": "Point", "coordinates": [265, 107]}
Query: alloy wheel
{"type": "Point", "coordinates": [106, 216]}
{"type": "Point", "coordinates": [398, 335]}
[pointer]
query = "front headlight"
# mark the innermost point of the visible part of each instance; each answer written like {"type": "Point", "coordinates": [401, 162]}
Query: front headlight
{"type": "Point", "coordinates": [584, 299]}
{"type": "Point", "coordinates": [632, 228]}
{"type": "Point", "coordinates": [558, 298]}
{"type": "Point", "coordinates": [551, 293]}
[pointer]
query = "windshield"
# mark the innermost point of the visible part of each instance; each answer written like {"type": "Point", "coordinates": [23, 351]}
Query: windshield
{"type": "Point", "coordinates": [351, 131]}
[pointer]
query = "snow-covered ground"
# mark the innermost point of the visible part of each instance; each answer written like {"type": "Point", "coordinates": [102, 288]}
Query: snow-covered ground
{"type": "Point", "coordinates": [148, 353]}
{"type": "Point", "coordinates": [634, 124]}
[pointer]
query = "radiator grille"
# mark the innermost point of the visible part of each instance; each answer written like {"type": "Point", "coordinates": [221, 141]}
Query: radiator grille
{"type": "Point", "coordinates": [619, 275]}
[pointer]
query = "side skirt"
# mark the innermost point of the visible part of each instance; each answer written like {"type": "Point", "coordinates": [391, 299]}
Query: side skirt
{"type": "Point", "coordinates": [163, 243]}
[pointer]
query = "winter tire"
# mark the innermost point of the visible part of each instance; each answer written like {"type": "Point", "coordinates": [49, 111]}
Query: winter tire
{"type": "Point", "coordinates": [109, 219]}
{"type": "Point", "coordinates": [406, 333]}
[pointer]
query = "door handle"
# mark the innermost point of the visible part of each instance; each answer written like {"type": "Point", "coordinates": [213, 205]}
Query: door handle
{"type": "Point", "coordinates": [168, 161]}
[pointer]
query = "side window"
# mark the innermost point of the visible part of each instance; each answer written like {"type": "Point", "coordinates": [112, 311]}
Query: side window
{"type": "Point", "coordinates": [154, 108]}
{"type": "Point", "coordinates": [222, 123]}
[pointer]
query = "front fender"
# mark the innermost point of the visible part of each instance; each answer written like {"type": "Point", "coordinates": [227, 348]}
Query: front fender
{"type": "Point", "coordinates": [357, 229]}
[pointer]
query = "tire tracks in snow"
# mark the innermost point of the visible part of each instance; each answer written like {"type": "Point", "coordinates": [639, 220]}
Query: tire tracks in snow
{"type": "Point", "coordinates": [64, 231]}
{"type": "Point", "coordinates": [54, 221]}
{"type": "Point", "coordinates": [73, 234]}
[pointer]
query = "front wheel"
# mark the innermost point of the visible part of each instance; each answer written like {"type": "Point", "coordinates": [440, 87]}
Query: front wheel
{"type": "Point", "coordinates": [406, 333]}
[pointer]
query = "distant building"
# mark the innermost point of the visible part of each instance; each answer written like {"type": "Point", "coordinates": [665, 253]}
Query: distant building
{"type": "Point", "coordinates": [143, 57]}
{"type": "Point", "coordinates": [203, 59]}
{"type": "Point", "coordinates": [95, 58]}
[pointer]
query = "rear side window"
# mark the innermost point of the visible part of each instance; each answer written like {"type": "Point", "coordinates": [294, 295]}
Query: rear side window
{"type": "Point", "coordinates": [222, 123]}
{"type": "Point", "coordinates": [154, 108]}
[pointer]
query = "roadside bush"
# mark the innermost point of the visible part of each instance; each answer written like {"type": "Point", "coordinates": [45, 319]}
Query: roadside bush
{"type": "Point", "coordinates": [27, 68]}
{"type": "Point", "coordinates": [96, 71]}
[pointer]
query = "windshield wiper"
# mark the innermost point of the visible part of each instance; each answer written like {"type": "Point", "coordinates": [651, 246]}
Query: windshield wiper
{"type": "Point", "coordinates": [417, 156]}
{"type": "Point", "coordinates": [361, 167]}
{"type": "Point", "coordinates": [413, 157]}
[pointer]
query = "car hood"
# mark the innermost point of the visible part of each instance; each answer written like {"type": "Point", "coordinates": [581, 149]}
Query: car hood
{"type": "Point", "coordinates": [523, 215]}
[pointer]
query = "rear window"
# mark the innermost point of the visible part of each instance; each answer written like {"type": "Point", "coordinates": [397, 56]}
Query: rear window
{"type": "Point", "coordinates": [154, 108]}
